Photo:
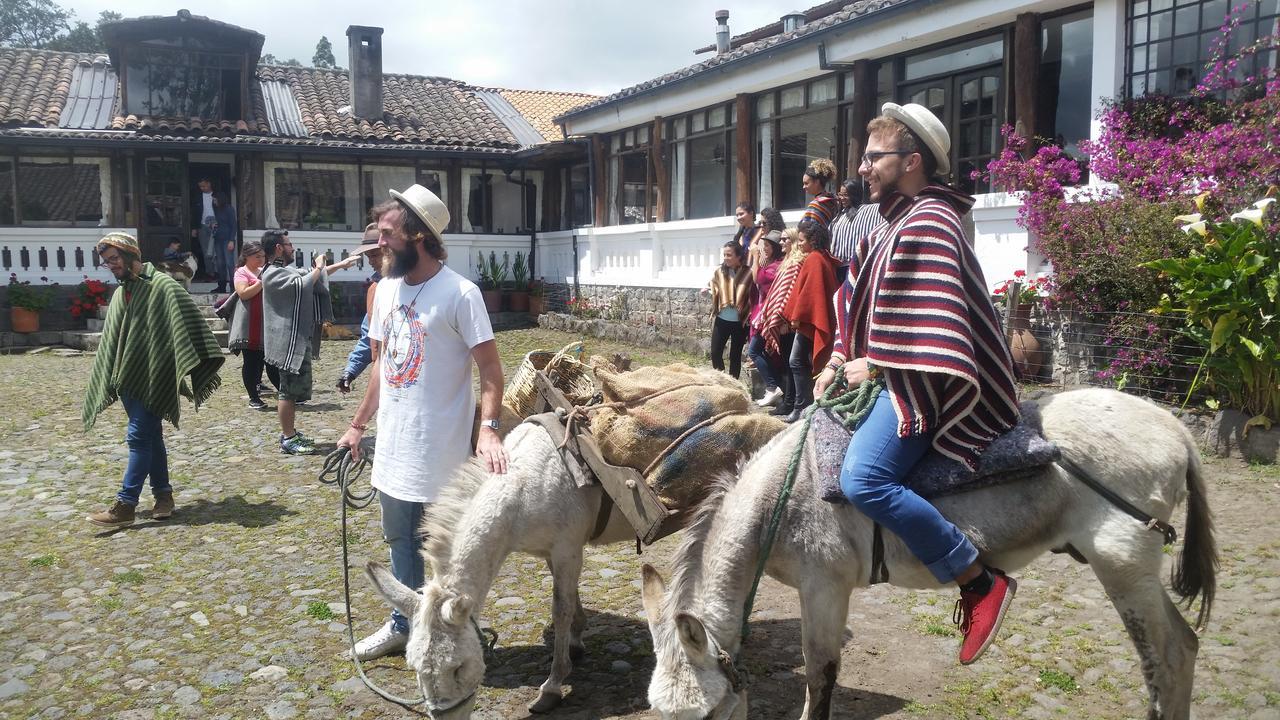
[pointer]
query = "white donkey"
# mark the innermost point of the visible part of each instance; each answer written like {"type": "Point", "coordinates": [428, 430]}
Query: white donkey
{"type": "Point", "coordinates": [824, 551]}
{"type": "Point", "coordinates": [480, 519]}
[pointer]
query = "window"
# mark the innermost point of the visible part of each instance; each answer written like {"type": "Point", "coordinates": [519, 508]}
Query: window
{"type": "Point", "coordinates": [6, 192]}
{"type": "Point", "coordinates": [963, 85]}
{"type": "Point", "coordinates": [1170, 42]}
{"type": "Point", "coordinates": [805, 128]}
{"type": "Point", "coordinates": [173, 82]}
{"type": "Point", "coordinates": [379, 179]}
{"type": "Point", "coordinates": [702, 163]}
{"type": "Point", "coordinates": [515, 201]}
{"type": "Point", "coordinates": [60, 191]}
{"type": "Point", "coordinates": [1066, 80]}
{"type": "Point", "coordinates": [437, 181]}
{"type": "Point", "coordinates": [477, 200]}
{"type": "Point", "coordinates": [632, 198]}
{"type": "Point", "coordinates": [313, 196]}
{"type": "Point", "coordinates": [579, 196]}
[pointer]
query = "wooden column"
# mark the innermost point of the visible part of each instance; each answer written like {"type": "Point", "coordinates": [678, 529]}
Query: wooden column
{"type": "Point", "coordinates": [662, 179]}
{"type": "Point", "coordinates": [599, 180]}
{"type": "Point", "coordinates": [744, 151]}
{"type": "Point", "coordinates": [864, 110]}
{"type": "Point", "coordinates": [1026, 72]}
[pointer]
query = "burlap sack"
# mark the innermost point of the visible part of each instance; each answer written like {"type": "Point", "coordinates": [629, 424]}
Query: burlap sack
{"type": "Point", "coordinates": [657, 405]}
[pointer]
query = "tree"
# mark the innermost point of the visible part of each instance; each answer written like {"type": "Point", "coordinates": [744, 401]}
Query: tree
{"type": "Point", "coordinates": [324, 54]}
{"type": "Point", "coordinates": [292, 62]}
{"type": "Point", "coordinates": [31, 23]}
{"type": "Point", "coordinates": [268, 59]}
{"type": "Point", "coordinates": [82, 38]}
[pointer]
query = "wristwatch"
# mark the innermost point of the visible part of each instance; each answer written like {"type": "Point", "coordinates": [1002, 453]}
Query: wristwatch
{"type": "Point", "coordinates": [491, 424]}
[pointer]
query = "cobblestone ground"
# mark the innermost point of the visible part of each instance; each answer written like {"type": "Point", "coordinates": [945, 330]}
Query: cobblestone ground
{"type": "Point", "coordinates": [232, 608]}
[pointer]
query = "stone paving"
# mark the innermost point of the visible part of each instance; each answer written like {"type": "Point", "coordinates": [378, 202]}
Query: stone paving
{"type": "Point", "coordinates": [234, 608]}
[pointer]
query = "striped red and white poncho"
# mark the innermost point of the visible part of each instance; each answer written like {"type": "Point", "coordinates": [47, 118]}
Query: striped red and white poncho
{"type": "Point", "coordinates": [916, 305]}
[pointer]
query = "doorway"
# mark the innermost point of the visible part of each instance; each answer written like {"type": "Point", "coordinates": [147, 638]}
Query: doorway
{"type": "Point", "coordinates": [219, 177]}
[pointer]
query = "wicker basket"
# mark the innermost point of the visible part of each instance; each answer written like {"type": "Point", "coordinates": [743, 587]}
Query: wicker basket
{"type": "Point", "coordinates": [565, 369]}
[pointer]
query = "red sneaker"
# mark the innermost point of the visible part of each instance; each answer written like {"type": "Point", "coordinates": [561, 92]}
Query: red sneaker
{"type": "Point", "coordinates": [979, 616]}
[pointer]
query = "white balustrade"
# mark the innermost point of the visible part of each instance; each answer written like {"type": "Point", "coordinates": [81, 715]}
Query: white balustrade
{"type": "Point", "coordinates": [63, 256]}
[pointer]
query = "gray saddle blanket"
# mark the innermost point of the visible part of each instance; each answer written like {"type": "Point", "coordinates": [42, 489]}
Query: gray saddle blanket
{"type": "Point", "coordinates": [1017, 454]}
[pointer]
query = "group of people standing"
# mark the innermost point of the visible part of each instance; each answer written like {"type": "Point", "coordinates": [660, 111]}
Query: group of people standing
{"type": "Point", "coordinates": [773, 290]}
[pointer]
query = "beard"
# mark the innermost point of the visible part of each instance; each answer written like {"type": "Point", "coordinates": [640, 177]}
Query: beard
{"type": "Point", "coordinates": [398, 263]}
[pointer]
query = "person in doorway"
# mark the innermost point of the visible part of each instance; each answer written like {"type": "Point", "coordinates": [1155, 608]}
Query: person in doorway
{"type": "Point", "coordinates": [947, 371]}
{"type": "Point", "coordinates": [155, 346]}
{"type": "Point", "coordinates": [810, 313]}
{"type": "Point", "coordinates": [427, 326]}
{"type": "Point", "coordinates": [362, 354]}
{"type": "Point", "coordinates": [764, 259]}
{"type": "Point", "coordinates": [294, 304]}
{"type": "Point", "coordinates": [204, 232]}
{"type": "Point", "coordinates": [246, 326]}
{"type": "Point", "coordinates": [823, 207]}
{"type": "Point", "coordinates": [855, 223]}
{"type": "Point", "coordinates": [748, 230]}
{"type": "Point", "coordinates": [730, 302]}
{"type": "Point", "coordinates": [225, 231]}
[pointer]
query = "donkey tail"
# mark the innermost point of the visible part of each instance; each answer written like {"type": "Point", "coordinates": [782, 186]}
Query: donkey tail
{"type": "Point", "coordinates": [1196, 571]}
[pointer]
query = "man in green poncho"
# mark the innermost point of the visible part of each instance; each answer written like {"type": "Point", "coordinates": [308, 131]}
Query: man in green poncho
{"type": "Point", "coordinates": [153, 339]}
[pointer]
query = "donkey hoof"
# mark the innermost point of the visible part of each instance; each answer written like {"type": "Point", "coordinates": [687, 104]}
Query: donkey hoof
{"type": "Point", "coordinates": [577, 652]}
{"type": "Point", "coordinates": [545, 703]}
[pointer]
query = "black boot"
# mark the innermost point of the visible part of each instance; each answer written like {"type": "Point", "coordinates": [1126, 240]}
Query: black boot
{"type": "Point", "coordinates": [783, 410]}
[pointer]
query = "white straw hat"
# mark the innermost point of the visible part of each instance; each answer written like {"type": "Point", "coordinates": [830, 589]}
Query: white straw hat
{"type": "Point", "coordinates": [429, 208]}
{"type": "Point", "coordinates": [927, 127]}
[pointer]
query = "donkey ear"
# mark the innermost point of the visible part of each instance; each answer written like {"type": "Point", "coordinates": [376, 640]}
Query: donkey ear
{"type": "Point", "coordinates": [693, 635]}
{"type": "Point", "coordinates": [654, 588]}
{"type": "Point", "coordinates": [457, 609]}
{"type": "Point", "coordinates": [392, 590]}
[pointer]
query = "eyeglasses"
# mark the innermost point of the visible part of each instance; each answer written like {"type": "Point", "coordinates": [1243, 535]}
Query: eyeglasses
{"type": "Point", "coordinates": [871, 157]}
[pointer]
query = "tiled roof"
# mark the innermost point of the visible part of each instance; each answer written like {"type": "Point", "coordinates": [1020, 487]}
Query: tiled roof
{"type": "Point", "coordinates": [426, 113]}
{"type": "Point", "coordinates": [541, 107]}
{"type": "Point", "coordinates": [852, 11]}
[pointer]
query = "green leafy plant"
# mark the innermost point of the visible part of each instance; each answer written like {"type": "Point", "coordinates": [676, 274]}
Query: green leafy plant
{"type": "Point", "coordinates": [485, 280]}
{"type": "Point", "coordinates": [1228, 290]}
{"type": "Point", "coordinates": [498, 271]}
{"type": "Point", "coordinates": [320, 610]}
{"type": "Point", "coordinates": [22, 294]}
{"type": "Point", "coordinates": [519, 273]}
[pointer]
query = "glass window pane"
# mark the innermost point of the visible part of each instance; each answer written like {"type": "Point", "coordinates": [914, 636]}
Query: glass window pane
{"type": "Point", "coordinates": [822, 91]}
{"type": "Point", "coordinates": [847, 86]}
{"type": "Point", "coordinates": [699, 122]}
{"type": "Point", "coordinates": [708, 160]}
{"type": "Point", "coordinates": [317, 196]}
{"type": "Point", "coordinates": [379, 180]}
{"type": "Point", "coordinates": [1139, 28]}
{"type": "Point", "coordinates": [6, 192]}
{"type": "Point", "coordinates": [1138, 61]}
{"type": "Point", "coordinates": [950, 59]}
{"type": "Point", "coordinates": [1140, 7]}
{"type": "Point", "coordinates": [436, 181]}
{"type": "Point", "coordinates": [682, 127]}
{"type": "Point", "coordinates": [764, 106]}
{"type": "Point", "coordinates": [678, 181]}
{"type": "Point", "coordinates": [803, 139]}
{"type": "Point", "coordinates": [1212, 13]}
{"type": "Point", "coordinates": [884, 84]}
{"type": "Point", "coordinates": [1162, 26]}
{"type": "Point", "coordinates": [515, 201]}
{"type": "Point", "coordinates": [764, 161]}
{"type": "Point", "coordinates": [1157, 5]}
{"type": "Point", "coordinates": [792, 98]}
{"type": "Point", "coordinates": [642, 135]}
{"type": "Point", "coordinates": [733, 114]}
{"type": "Point", "coordinates": [715, 117]}
{"type": "Point", "coordinates": [615, 142]}
{"type": "Point", "coordinates": [1067, 65]}
{"type": "Point", "coordinates": [57, 190]}
{"type": "Point", "coordinates": [630, 139]}
{"type": "Point", "coordinates": [636, 204]}
{"type": "Point", "coordinates": [1186, 20]}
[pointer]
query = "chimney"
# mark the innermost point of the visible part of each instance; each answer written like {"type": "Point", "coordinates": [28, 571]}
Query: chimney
{"type": "Point", "coordinates": [364, 48]}
{"type": "Point", "coordinates": [792, 21]}
{"type": "Point", "coordinates": [722, 32]}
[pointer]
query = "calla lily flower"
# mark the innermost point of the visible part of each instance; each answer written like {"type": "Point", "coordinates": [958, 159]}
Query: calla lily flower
{"type": "Point", "coordinates": [1199, 227]}
{"type": "Point", "coordinates": [1192, 218]}
{"type": "Point", "coordinates": [1255, 213]}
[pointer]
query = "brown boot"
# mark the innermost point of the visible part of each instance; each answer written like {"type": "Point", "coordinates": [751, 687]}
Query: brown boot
{"type": "Point", "coordinates": [164, 505]}
{"type": "Point", "coordinates": [118, 515]}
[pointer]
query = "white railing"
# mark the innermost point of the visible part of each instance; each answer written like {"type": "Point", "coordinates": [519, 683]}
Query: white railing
{"type": "Point", "coordinates": [463, 250]}
{"type": "Point", "coordinates": [64, 256]}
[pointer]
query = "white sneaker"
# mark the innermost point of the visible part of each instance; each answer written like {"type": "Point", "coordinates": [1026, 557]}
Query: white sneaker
{"type": "Point", "coordinates": [383, 642]}
{"type": "Point", "coordinates": [771, 398]}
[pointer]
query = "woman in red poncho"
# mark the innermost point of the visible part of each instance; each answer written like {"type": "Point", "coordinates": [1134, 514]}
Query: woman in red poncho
{"type": "Point", "coordinates": [810, 312]}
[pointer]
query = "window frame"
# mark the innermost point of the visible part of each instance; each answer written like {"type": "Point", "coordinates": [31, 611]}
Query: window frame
{"type": "Point", "coordinates": [842, 101]}
{"type": "Point", "coordinates": [627, 148]}
{"type": "Point", "coordinates": [106, 162]}
{"type": "Point", "coordinates": [726, 133]}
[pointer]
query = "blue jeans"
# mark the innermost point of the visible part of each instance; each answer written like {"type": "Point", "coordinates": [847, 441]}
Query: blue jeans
{"type": "Point", "coordinates": [401, 523]}
{"type": "Point", "coordinates": [224, 260]}
{"type": "Point", "coordinates": [147, 456]}
{"type": "Point", "coordinates": [768, 373]}
{"type": "Point", "coordinates": [875, 466]}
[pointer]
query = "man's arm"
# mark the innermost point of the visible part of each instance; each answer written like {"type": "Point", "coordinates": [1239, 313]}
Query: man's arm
{"type": "Point", "coordinates": [489, 445]}
{"type": "Point", "coordinates": [359, 357]}
{"type": "Point", "coordinates": [368, 408]}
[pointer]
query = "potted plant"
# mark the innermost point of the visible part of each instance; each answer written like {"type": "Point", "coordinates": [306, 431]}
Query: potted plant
{"type": "Point", "coordinates": [519, 284]}
{"type": "Point", "coordinates": [1023, 344]}
{"type": "Point", "coordinates": [25, 303]}
{"type": "Point", "coordinates": [537, 297]}
{"type": "Point", "coordinates": [93, 295]}
{"type": "Point", "coordinates": [498, 276]}
{"type": "Point", "coordinates": [488, 288]}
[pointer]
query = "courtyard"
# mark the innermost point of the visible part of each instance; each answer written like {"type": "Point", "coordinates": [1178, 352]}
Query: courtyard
{"type": "Point", "coordinates": [233, 608]}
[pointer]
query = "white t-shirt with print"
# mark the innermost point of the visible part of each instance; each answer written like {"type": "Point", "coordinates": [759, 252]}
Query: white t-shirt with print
{"type": "Point", "coordinates": [425, 404]}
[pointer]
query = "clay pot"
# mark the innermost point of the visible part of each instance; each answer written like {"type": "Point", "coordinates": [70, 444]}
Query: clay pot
{"type": "Point", "coordinates": [1023, 344]}
{"type": "Point", "coordinates": [537, 305]}
{"type": "Point", "coordinates": [24, 320]}
{"type": "Point", "coordinates": [519, 302]}
{"type": "Point", "coordinates": [492, 300]}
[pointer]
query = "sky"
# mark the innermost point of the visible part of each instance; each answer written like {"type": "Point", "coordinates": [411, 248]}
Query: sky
{"type": "Point", "coordinates": [593, 46]}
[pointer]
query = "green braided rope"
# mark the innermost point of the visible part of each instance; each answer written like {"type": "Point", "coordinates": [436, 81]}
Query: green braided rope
{"type": "Point", "coordinates": [852, 408]}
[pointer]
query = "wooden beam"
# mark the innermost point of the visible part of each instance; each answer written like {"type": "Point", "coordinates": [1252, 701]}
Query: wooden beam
{"type": "Point", "coordinates": [744, 150]}
{"type": "Point", "coordinates": [864, 110]}
{"type": "Point", "coordinates": [662, 179]}
{"type": "Point", "coordinates": [1026, 72]}
{"type": "Point", "coordinates": [600, 217]}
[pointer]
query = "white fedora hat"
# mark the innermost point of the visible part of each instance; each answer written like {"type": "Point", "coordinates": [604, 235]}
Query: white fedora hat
{"type": "Point", "coordinates": [927, 127]}
{"type": "Point", "coordinates": [429, 208]}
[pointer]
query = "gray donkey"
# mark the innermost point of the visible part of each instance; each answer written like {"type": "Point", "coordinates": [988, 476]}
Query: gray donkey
{"type": "Point", "coordinates": [1134, 447]}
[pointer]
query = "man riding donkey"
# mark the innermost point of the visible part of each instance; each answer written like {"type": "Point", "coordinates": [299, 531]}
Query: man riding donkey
{"type": "Point", "coordinates": [915, 314]}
